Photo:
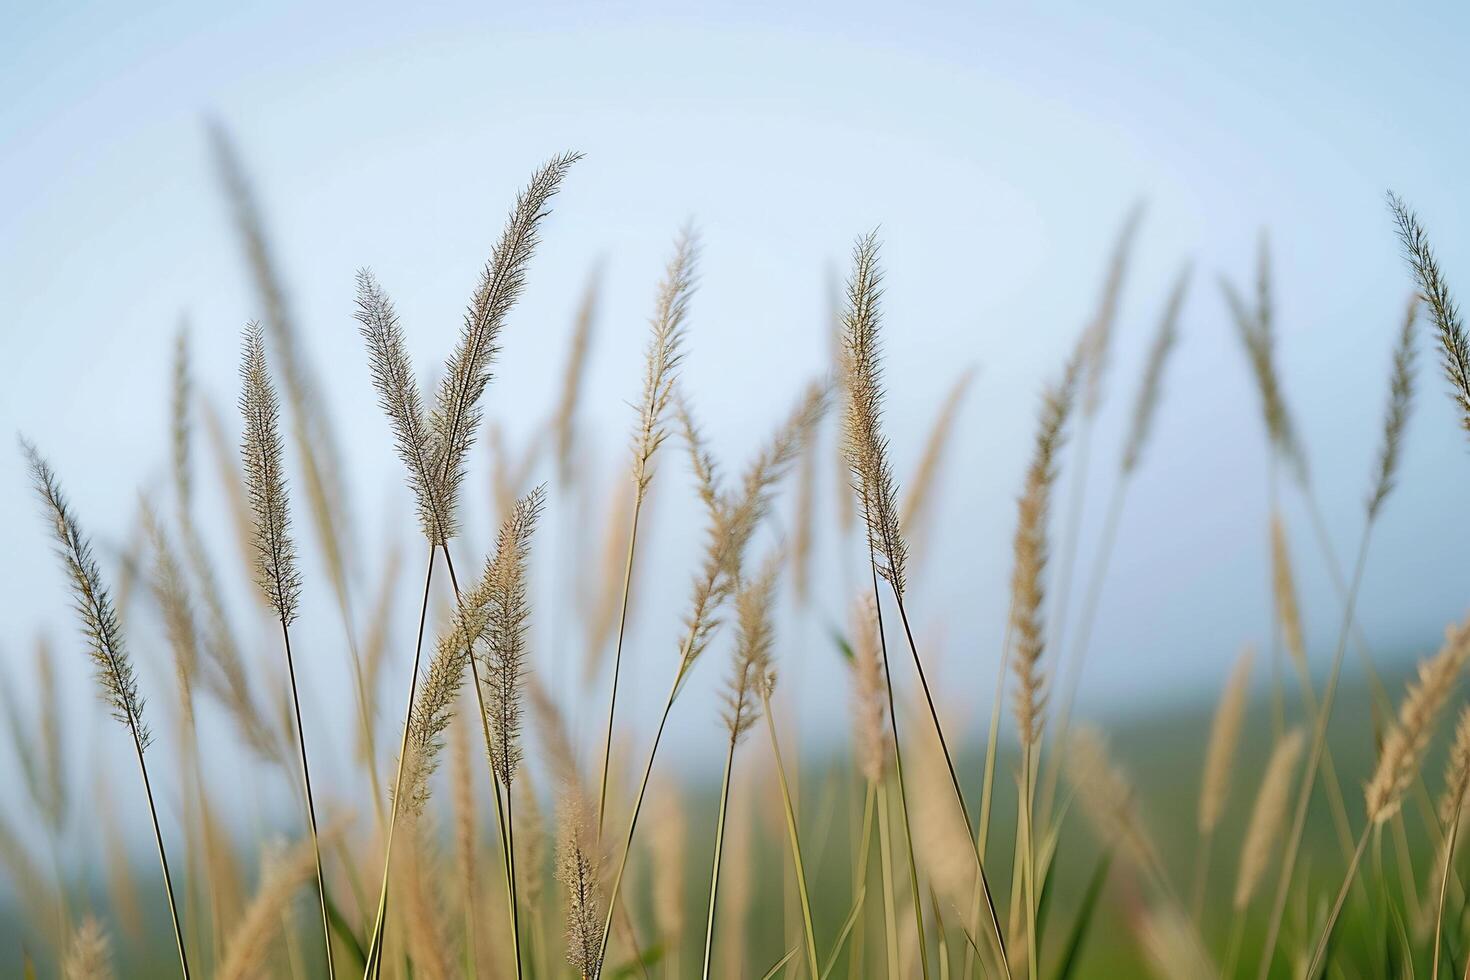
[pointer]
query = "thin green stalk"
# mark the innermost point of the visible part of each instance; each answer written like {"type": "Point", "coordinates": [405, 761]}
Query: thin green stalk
{"type": "Point", "coordinates": [955, 782]}
{"type": "Point", "coordinates": [612, 703]}
{"type": "Point", "coordinates": [168, 886]}
{"type": "Point", "coordinates": [1319, 950]}
{"type": "Point", "coordinates": [795, 840]}
{"type": "Point", "coordinates": [321, 887]}
{"type": "Point", "coordinates": [1201, 876]}
{"type": "Point", "coordinates": [885, 854]}
{"type": "Point", "coordinates": [1319, 739]}
{"type": "Point", "coordinates": [612, 900]}
{"type": "Point", "coordinates": [1444, 881]}
{"type": "Point", "coordinates": [992, 741]}
{"type": "Point", "coordinates": [374, 966]}
{"type": "Point", "coordinates": [502, 810]}
{"type": "Point", "coordinates": [1072, 668]}
{"type": "Point", "coordinates": [1028, 811]}
{"type": "Point", "coordinates": [903, 797]}
{"type": "Point", "coordinates": [510, 877]}
{"type": "Point", "coordinates": [1232, 948]}
{"type": "Point", "coordinates": [714, 878]}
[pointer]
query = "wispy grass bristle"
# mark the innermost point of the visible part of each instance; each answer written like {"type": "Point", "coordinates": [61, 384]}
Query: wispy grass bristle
{"type": "Point", "coordinates": [263, 458]}
{"type": "Point", "coordinates": [403, 403]}
{"type": "Point", "coordinates": [458, 412]}
{"type": "Point", "coordinates": [1454, 344]}
{"type": "Point", "coordinates": [1268, 816]}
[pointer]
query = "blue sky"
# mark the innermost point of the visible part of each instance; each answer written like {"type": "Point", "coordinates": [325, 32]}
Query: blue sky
{"type": "Point", "coordinates": [998, 147]}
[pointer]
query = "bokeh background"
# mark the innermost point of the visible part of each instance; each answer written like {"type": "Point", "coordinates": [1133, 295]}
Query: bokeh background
{"type": "Point", "coordinates": [998, 147]}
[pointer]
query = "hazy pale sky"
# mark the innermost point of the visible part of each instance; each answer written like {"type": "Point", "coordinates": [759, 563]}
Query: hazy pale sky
{"type": "Point", "coordinates": [998, 147]}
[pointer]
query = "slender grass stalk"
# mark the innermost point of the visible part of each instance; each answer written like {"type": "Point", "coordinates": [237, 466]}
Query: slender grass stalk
{"type": "Point", "coordinates": [374, 964]}
{"type": "Point", "coordinates": [885, 855]}
{"type": "Point", "coordinates": [791, 831]}
{"type": "Point", "coordinates": [714, 880]}
{"type": "Point", "coordinates": [114, 667]}
{"type": "Point", "coordinates": [664, 354]}
{"type": "Point", "coordinates": [732, 520]}
{"type": "Point", "coordinates": [1400, 401]}
{"type": "Point", "coordinates": [262, 458]}
{"type": "Point", "coordinates": [1451, 809]}
{"type": "Point", "coordinates": [902, 791]}
{"type": "Point", "coordinates": [1314, 757]}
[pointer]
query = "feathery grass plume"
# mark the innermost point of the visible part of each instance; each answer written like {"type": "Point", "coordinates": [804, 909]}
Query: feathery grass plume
{"type": "Point", "coordinates": [403, 403]}
{"type": "Point", "coordinates": [1454, 344]}
{"type": "Point", "coordinates": [664, 354]}
{"type": "Point", "coordinates": [222, 673]}
{"type": "Point", "coordinates": [865, 445]}
{"type": "Point", "coordinates": [921, 491]}
{"type": "Point", "coordinates": [467, 372]}
{"type": "Point", "coordinates": [1400, 757]}
{"type": "Point", "coordinates": [261, 455]}
{"type": "Point", "coordinates": [93, 603]}
{"type": "Point", "coordinates": [1099, 334]}
{"type": "Point", "coordinates": [1268, 816]}
{"type": "Point", "coordinates": [1107, 798]}
{"type": "Point", "coordinates": [661, 365]}
{"type": "Point", "coordinates": [433, 709]}
{"type": "Point", "coordinates": [249, 943]}
{"type": "Point", "coordinates": [750, 661]}
{"type": "Point", "coordinates": [1456, 772]}
{"type": "Point", "coordinates": [1396, 416]}
{"type": "Point", "coordinates": [577, 870]}
{"type": "Point", "coordinates": [1257, 335]}
{"type": "Point", "coordinates": [1224, 738]}
{"type": "Point", "coordinates": [734, 516]}
{"type": "Point", "coordinates": [88, 953]}
{"type": "Point", "coordinates": [564, 424]}
{"type": "Point", "coordinates": [1288, 610]}
{"type": "Point", "coordinates": [1027, 589]}
{"type": "Point", "coordinates": [1174, 946]}
{"type": "Point", "coordinates": [873, 741]}
{"type": "Point", "coordinates": [732, 521]}
{"type": "Point", "coordinates": [507, 611]}
{"type": "Point", "coordinates": [1218, 766]}
{"type": "Point", "coordinates": [316, 442]}
{"type": "Point", "coordinates": [1402, 751]}
{"type": "Point", "coordinates": [1150, 389]}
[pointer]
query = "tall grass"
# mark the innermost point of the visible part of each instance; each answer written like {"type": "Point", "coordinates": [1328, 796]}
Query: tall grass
{"type": "Point", "coordinates": [868, 862]}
